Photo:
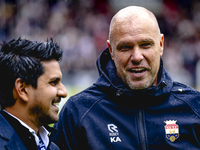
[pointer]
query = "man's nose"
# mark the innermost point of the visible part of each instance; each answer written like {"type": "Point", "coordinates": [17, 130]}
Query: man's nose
{"type": "Point", "coordinates": [136, 55]}
{"type": "Point", "coordinates": [62, 92]}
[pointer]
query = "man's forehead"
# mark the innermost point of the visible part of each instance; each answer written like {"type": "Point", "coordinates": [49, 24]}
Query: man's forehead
{"type": "Point", "coordinates": [133, 15]}
{"type": "Point", "coordinates": [51, 68]}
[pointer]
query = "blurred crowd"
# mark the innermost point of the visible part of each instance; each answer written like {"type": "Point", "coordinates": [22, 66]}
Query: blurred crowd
{"type": "Point", "coordinates": [80, 27]}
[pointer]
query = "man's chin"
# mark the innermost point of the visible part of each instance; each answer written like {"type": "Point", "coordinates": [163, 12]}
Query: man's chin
{"type": "Point", "coordinates": [55, 119]}
{"type": "Point", "coordinates": [138, 85]}
{"type": "Point", "coordinates": [51, 120]}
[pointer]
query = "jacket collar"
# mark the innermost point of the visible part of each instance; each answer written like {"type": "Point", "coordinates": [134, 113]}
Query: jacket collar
{"type": "Point", "coordinates": [8, 133]}
{"type": "Point", "coordinates": [14, 141]}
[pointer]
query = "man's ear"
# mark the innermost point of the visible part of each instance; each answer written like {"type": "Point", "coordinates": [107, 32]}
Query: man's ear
{"type": "Point", "coordinates": [20, 90]}
{"type": "Point", "coordinates": [161, 44]}
{"type": "Point", "coordinates": [110, 48]}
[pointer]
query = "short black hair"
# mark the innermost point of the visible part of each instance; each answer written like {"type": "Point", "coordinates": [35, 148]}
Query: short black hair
{"type": "Point", "coordinates": [21, 58]}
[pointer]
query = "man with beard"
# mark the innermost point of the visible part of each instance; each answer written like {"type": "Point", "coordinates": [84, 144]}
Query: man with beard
{"type": "Point", "coordinates": [29, 91]}
{"type": "Point", "coordinates": [134, 105]}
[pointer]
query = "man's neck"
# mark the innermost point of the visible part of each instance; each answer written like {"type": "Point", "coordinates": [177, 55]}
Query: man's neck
{"type": "Point", "coordinates": [25, 122]}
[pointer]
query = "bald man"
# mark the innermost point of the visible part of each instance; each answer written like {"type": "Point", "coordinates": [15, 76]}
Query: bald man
{"type": "Point", "coordinates": [134, 104]}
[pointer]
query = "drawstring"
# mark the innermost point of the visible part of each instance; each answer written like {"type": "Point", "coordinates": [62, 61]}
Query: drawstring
{"type": "Point", "coordinates": [162, 85]}
{"type": "Point", "coordinates": [119, 93]}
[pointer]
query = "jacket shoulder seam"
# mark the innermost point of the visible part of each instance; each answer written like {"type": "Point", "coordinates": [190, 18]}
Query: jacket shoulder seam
{"type": "Point", "coordinates": [195, 112]}
{"type": "Point", "coordinates": [89, 109]}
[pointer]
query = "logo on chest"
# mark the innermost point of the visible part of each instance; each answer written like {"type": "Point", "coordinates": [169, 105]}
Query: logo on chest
{"type": "Point", "coordinates": [113, 133]}
{"type": "Point", "coordinates": [171, 130]}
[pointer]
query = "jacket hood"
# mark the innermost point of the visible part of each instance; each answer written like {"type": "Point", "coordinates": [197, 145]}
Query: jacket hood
{"type": "Point", "coordinates": [109, 79]}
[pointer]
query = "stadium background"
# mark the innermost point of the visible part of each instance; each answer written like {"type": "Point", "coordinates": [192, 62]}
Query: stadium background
{"type": "Point", "coordinates": [80, 27]}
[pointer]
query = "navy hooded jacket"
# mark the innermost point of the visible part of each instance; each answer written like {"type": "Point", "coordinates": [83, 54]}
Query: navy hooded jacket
{"type": "Point", "coordinates": [110, 116]}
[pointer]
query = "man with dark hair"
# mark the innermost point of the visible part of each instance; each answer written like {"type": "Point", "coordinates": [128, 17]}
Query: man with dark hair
{"type": "Point", "coordinates": [30, 89]}
{"type": "Point", "coordinates": [134, 105]}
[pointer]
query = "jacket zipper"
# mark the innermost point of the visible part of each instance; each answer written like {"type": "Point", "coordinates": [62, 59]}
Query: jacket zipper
{"type": "Point", "coordinates": [141, 130]}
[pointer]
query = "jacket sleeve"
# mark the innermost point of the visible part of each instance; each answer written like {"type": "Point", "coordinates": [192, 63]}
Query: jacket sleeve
{"type": "Point", "coordinates": [68, 135]}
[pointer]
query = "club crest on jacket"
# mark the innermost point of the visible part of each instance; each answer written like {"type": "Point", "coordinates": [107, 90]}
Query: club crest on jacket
{"type": "Point", "coordinates": [171, 130]}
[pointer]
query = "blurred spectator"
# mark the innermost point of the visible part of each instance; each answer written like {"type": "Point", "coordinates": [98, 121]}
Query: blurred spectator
{"type": "Point", "coordinates": [81, 29]}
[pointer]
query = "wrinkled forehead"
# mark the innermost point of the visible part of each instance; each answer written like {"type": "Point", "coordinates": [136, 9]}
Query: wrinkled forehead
{"type": "Point", "coordinates": [139, 25]}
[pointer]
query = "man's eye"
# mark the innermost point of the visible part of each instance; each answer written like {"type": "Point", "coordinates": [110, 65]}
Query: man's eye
{"type": "Point", "coordinates": [145, 45]}
{"type": "Point", "coordinates": [54, 83]}
{"type": "Point", "coordinates": [125, 48]}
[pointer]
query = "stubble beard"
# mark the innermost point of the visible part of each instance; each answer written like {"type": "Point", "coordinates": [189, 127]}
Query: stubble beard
{"type": "Point", "coordinates": [41, 116]}
{"type": "Point", "coordinates": [142, 86]}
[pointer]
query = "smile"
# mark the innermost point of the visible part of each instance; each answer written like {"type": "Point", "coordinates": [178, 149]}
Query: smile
{"type": "Point", "coordinates": [138, 70]}
{"type": "Point", "coordinates": [56, 102]}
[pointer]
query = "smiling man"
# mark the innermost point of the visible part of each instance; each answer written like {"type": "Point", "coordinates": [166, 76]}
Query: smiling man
{"type": "Point", "coordinates": [134, 104]}
{"type": "Point", "coordinates": [29, 92]}
{"type": "Point", "coordinates": [136, 47]}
